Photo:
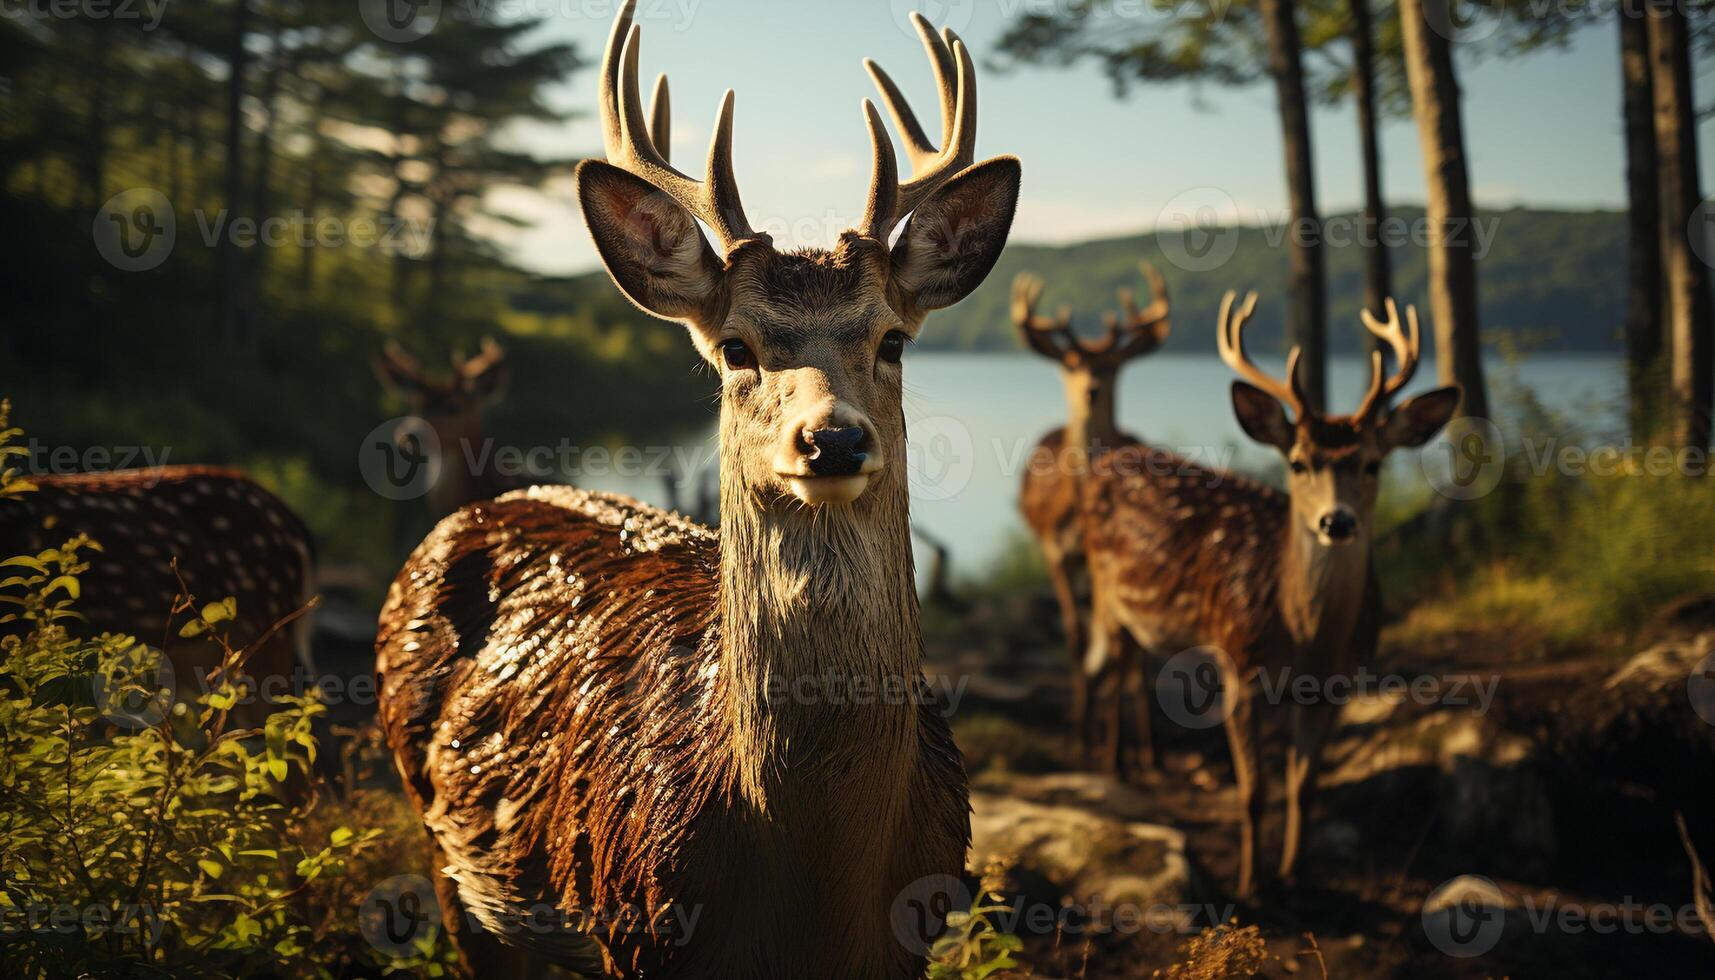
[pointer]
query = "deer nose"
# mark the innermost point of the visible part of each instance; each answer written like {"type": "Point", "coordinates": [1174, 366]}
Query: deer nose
{"type": "Point", "coordinates": [835, 452]}
{"type": "Point", "coordinates": [1338, 525]}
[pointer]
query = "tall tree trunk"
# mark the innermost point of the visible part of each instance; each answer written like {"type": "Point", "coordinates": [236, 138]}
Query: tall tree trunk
{"type": "Point", "coordinates": [1688, 305]}
{"type": "Point", "coordinates": [260, 185]}
{"type": "Point", "coordinates": [1378, 269]}
{"type": "Point", "coordinates": [1309, 301]}
{"type": "Point", "coordinates": [95, 133]}
{"type": "Point", "coordinates": [1643, 326]}
{"type": "Point", "coordinates": [230, 262]}
{"type": "Point", "coordinates": [1452, 258]}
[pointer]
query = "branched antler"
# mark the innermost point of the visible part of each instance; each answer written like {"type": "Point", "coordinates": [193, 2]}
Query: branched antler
{"type": "Point", "coordinates": [1230, 342]}
{"type": "Point", "coordinates": [1406, 343]}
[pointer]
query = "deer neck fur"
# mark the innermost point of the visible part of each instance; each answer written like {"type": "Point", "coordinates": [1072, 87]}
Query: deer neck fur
{"type": "Point", "coordinates": [1322, 588]}
{"type": "Point", "coordinates": [1091, 415]}
{"type": "Point", "coordinates": [814, 602]}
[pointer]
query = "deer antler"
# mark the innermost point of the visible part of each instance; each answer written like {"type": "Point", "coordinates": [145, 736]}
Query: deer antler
{"type": "Point", "coordinates": [956, 82]}
{"type": "Point", "coordinates": [396, 367]}
{"type": "Point", "coordinates": [490, 356]}
{"type": "Point", "coordinates": [1134, 331]}
{"type": "Point", "coordinates": [1048, 336]}
{"type": "Point", "coordinates": [1230, 342]}
{"type": "Point", "coordinates": [1407, 346]}
{"type": "Point", "coordinates": [632, 146]}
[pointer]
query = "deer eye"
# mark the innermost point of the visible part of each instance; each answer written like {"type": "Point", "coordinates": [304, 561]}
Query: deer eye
{"type": "Point", "coordinates": [893, 346]}
{"type": "Point", "coordinates": [1300, 467]}
{"type": "Point", "coordinates": [1372, 467]}
{"type": "Point", "coordinates": [737, 355]}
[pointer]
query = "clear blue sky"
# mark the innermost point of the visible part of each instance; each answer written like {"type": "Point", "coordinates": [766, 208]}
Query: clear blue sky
{"type": "Point", "coordinates": [1542, 130]}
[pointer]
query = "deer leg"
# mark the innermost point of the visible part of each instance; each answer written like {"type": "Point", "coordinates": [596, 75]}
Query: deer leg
{"type": "Point", "coordinates": [1062, 572]}
{"type": "Point", "coordinates": [1311, 724]}
{"type": "Point", "coordinates": [1137, 690]}
{"type": "Point", "coordinates": [1246, 750]}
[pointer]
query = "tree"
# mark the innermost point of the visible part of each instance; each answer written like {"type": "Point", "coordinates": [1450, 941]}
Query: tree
{"type": "Point", "coordinates": [1309, 286]}
{"type": "Point", "coordinates": [1378, 271]}
{"type": "Point", "coordinates": [1643, 325]}
{"type": "Point", "coordinates": [1214, 44]}
{"type": "Point", "coordinates": [1434, 87]}
{"type": "Point", "coordinates": [1682, 223]}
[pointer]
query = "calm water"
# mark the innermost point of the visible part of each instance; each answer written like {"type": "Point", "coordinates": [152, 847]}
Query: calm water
{"type": "Point", "coordinates": [974, 418]}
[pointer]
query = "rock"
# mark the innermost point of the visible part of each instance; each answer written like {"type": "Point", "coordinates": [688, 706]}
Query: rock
{"type": "Point", "coordinates": [1089, 858]}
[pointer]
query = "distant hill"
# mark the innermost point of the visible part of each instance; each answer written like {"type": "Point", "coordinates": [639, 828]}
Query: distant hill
{"type": "Point", "coordinates": [1550, 280]}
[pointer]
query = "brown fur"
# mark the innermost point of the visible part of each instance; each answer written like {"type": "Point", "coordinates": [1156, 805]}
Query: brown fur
{"type": "Point", "coordinates": [230, 537]}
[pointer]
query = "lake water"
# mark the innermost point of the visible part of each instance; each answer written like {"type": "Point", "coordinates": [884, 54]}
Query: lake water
{"type": "Point", "coordinates": [973, 419]}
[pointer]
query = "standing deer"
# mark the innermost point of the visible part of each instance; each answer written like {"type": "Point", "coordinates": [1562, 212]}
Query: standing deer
{"type": "Point", "coordinates": [1272, 580]}
{"type": "Point", "coordinates": [1049, 497]}
{"type": "Point", "coordinates": [453, 408]}
{"type": "Point", "coordinates": [583, 692]}
{"type": "Point", "coordinates": [229, 536]}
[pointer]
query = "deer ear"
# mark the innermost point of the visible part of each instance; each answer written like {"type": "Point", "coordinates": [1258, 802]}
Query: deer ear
{"type": "Point", "coordinates": [1262, 416]}
{"type": "Point", "coordinates": [1416, 421]}
{"type": "Point", "coordinates": [953, 239]}
{"type": "Point", "coordinates": [651, 245]}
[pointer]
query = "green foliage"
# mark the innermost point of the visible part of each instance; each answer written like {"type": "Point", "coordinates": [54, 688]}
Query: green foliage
{"type": "Point", "coordinates": [972, 948]}
{"type": "Point", "coordinates": [139, 837]}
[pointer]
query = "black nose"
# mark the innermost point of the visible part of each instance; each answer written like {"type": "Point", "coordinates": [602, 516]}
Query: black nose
{"type": "Point", "coordinates": [1339, 525]}
{"type": "Point", "coordinates": [836, 452]}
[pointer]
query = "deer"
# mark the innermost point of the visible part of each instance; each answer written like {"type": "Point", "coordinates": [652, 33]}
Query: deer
{"type": "Point", "coordinates": [1049, 498]}
{"type": "Point", "coordinates": [453, 407]}
{"type": "Point", "coordinates": [166, 531]}
{"type": "Point", "coordinates": [1272, 580]}
{"type": "Point", "coordinates": [583, 693]}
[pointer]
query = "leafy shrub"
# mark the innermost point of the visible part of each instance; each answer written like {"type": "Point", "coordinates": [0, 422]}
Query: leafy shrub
{"type": "Point", "coordinates": [139, 837]}
{"type": "Point", "coordinates": [972, 948]}
{"type": "Point", "coordinates": [1224, 952]}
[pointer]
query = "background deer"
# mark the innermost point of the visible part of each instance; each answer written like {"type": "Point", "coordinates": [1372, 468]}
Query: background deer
{"type": "Point", "coordinates": [229, 536]}
{"type": "Point", "coordinates": [577, 687]}
{"type": "Point", "coordinates": [1272, 580]}
{"type": "Point", "coordinates": [453, 406]}
{"type": "Point", "coordinates": [1049, 496]}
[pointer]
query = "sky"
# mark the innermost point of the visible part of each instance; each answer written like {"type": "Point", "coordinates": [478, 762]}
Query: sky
{"type": "Point", "coordinates": [1541, 130]}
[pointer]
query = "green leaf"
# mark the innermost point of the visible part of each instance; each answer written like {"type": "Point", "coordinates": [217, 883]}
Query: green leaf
{"type": "Point", "coordinates": [192, 628]}
{"type": "Point", "coordinates": [220, 612]}
{"type": "Point", "coordinates": [66, 582]}
{"type": "Point", "coordinates": [210, 867]}
{"type": "Point", "coordinates": [26, 561]}
{"type": "Point", "coordinates": [340, 835]}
